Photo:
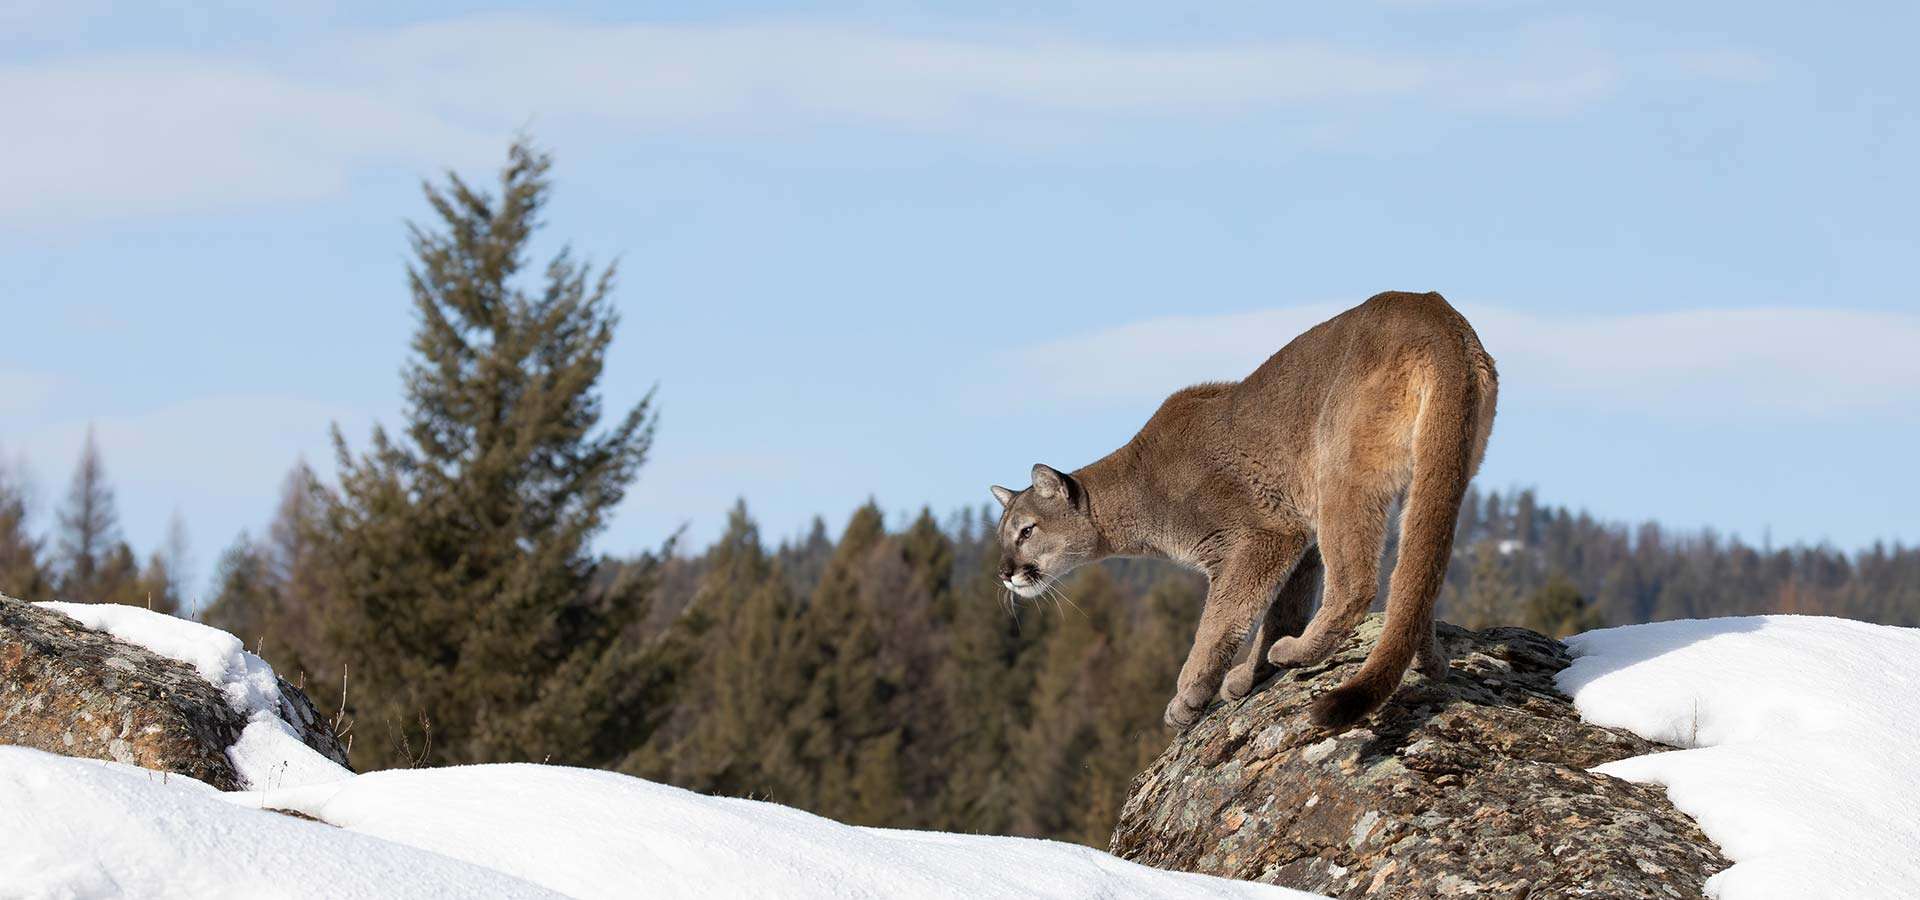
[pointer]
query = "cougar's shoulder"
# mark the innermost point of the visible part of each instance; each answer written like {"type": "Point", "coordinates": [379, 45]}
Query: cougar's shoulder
{"type": "Point", "coordinates": [1187, 413]}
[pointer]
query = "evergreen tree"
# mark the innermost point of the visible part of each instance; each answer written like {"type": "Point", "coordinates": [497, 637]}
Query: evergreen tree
{"type": "Point", "coordinates": [839, 724]}
{"type": "Point", "coordinates": [246, 594]}
{"type": "Point", "coordinates": [156, 587]}
{"type": "Point", "coordinates": [94, 564]}
{"type": "Point", "coordinates": [737, 704]}
{"type": "Point", "coordinates": [117, 579]}
{"type": "Point", "coordinates": [294, 542]}
{"type": "Point", "coordinates": [462, 593]}
{"type": "Point", "coordinates": [22, 575]}
{"type": "Point", "coordinates": [1155, 647]}
{"type": "Point", "coordinates": [806, 560]}
{"type": "Point", "coordinates": [163, 585]}
{"type": "Point", "coordinates": [1070, 699]}
{"type": "Point", "coordinates": [985, 684]}
{"type": "Point", "coordinates": [177, 556]}
{"type": "Point", "coordinates": [1558, 610]}
{"type": "Point", "coordinates": [929, 554]}
{"type": "Point", "coordinates": [1526, 518]}
{"type": "Point", "coordinates": [269, 592]}
{"type": "Point", "coordinates": [1489, 597]}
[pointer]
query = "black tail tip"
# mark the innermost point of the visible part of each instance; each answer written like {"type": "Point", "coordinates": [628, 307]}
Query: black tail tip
{"type": "Point", "coordinates": [1340, 708]}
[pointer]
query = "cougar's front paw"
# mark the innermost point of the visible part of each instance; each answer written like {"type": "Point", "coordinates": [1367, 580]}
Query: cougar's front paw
{"type": "Point", "coordinates": [1183, 712]}
{"type": "Point", "coordinates": [1292, 653]}
{"type": "Point", "coordinates": [1241, 680]}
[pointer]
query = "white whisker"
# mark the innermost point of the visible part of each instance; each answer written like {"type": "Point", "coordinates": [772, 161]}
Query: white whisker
{"type": "Point", "coordinates": [1061, 595]}
{"type": "Point", "coordinates": [1065, 596]}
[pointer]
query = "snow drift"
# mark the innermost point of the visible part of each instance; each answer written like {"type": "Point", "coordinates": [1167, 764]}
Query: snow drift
{"type": "Point", "coordinates": [83, 828]}
{"type": "Point", "coordinates": [589, 833]}
{"type": "Point", "coordinates": [1801, 734]}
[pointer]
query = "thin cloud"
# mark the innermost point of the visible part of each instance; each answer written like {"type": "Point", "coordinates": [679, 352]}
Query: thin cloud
{"type": "Point", "coordinates": [1777, 363]}
{"type": "Point", "coordinates": [118, 136]}
{"type": "Point", "coordinates": [130, 136]}
{"type": "Point", "coordinates": [743, 73]}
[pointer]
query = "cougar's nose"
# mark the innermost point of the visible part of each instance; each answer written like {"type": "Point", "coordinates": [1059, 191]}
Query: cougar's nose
{"type": "Point", "coordinates": [1006, 570]}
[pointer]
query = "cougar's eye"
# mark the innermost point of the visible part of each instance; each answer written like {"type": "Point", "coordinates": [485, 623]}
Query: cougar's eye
{"type": "Point", "coordinates": [1025, 533]}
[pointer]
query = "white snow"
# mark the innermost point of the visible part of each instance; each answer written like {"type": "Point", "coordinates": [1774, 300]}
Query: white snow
{"type": "Point", "coordinates": [73, 828]}
{"type": "Point", "coordinates": [1805, 743]}
{"type": "Point", "coordinates": [269, 752]}
{"type": "Point", "coordinates": [85, 828]}
{"type": "Point", "coordinates": [593, 834]}
{"type": "Point", "coordinates": [82, 828]}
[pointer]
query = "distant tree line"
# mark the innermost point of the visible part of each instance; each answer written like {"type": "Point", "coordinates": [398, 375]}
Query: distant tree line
{"type": "Point", "coordinates": [1559, 570]}
{"type": "Point", "coordinates": [85, 559]}
{"type": "Point", "coordinates": [439, 592]}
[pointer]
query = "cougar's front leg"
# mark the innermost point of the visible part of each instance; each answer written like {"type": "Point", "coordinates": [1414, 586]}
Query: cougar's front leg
{"type": "Point", "coordinates": [1286, 616]}
{"type": "Point", "coordinates": [1237, 596]}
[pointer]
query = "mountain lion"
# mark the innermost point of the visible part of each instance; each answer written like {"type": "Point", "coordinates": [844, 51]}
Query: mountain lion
{"type": "Point", "coordinates": [1266, 483]}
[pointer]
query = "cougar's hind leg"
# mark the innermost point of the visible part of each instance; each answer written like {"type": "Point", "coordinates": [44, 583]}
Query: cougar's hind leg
{"type": "Point", "coordinates": [1353, 530]}
{"type": "Point", "coordinates": [1442, 447]}
{"type": "Point", "coordinates": [1431, 660]}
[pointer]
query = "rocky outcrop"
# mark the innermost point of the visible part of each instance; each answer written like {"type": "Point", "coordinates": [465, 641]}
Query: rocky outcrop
{"type": "Point", "coordinates": [70, 690]}
{"type": "Point", "coordinates": [1476, 786]}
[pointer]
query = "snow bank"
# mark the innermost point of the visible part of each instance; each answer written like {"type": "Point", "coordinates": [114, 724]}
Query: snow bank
{"type": "Point", "coordinates": [591, 834]}
{"type": "Point", "coordinates": [85, 828]}
{"type": "Point", "coordinates": [1804, 733]}
{"type": "Point", "coordinates": [269, 752]}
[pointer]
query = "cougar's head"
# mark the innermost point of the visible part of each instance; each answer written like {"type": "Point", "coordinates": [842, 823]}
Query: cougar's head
{"type": "Point", "coordinates": [1045, 531]}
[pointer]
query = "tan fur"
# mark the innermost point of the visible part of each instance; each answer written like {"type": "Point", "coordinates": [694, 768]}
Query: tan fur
{"type": "Point", "coordinates": [1282, 481]}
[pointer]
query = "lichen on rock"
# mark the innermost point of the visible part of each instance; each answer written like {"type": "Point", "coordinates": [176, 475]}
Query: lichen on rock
{"type": "Point", "coordinates": [1475, 786]}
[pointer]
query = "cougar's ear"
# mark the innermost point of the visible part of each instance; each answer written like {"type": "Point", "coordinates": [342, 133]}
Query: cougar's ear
{"type": "Point", "coordinates": [1052, 482]}
{"type": "Point", "coordinates": [1003, 495]}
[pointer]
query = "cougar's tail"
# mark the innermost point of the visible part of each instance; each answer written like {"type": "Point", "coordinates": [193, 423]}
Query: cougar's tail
{"type": "Point", "coordinates": [1449, 436]}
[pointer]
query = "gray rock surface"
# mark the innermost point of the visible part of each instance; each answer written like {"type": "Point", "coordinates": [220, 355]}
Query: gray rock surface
{"type": "Point", "coordinates": [1473, 787]}
{"type": "Point", "coordinates": [70, 690]}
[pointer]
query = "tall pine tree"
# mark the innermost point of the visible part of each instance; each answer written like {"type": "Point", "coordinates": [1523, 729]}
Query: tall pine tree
{"type": "Point", "coordinates": [457, 553]}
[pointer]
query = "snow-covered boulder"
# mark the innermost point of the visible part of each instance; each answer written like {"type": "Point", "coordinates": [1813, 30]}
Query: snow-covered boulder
{"type": "Point", "coordinates": [1476, 786]}
{"type": "Point", "coordinates": [134, 686]}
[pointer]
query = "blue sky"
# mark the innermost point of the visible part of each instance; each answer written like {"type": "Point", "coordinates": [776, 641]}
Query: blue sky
{"type": "Point", "coordinates": [907, 249]}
